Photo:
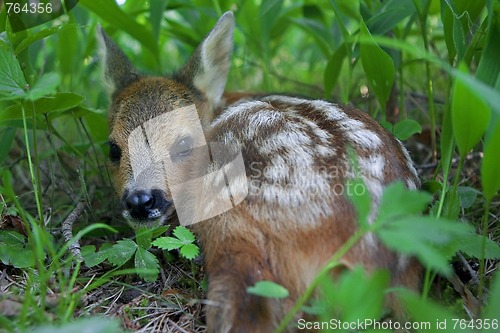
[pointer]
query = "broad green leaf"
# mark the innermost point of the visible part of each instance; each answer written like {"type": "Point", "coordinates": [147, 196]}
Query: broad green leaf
{"type": "Point", "coordinates": [146, 264]}
{"type": "Point", "coordinates": [34, 37]}
{"type": "Point", "coordinates": [389, 15]}
{"type": "Point", "coordinates": [467, 195]}
{"type": "Point", "coordinates": [317, 32]}
{"type": "Point", "coordinates": [490, 179]}
{"type": "Point", "coordinates": [406, 128]}
{"type": "Point", "coordinates": [333, 67]}
{"type": "Point", "coordinates": [184, 234]}
{"type": "Point", "coordinates": [431, 240]}
{"type": "Point", "coordinates": [488, 69]}
{"type": "Point", "coordinates": [12, 81]}
{"type": "Point", "coordinates": [121, 252]}
{"type": "Point", "coordinates": [53, 104]}
{"type": "Point", "coordinates": [409, 202]}
{"type": "Point", "coordinates": [357, 295]}
{"type": "Point", "coordinates": [156, 11]}
{"type": "Point", "coordinates": [93, 258]}
{"type": "Point", "coordinates": [68, 43]}
{"type": "Point", "coordinates": [109, 11]}
{"type": "Point", "coordinates": [268, 289]}
{"type": "Point", "coordinates": [45, 85]}
{"type": "Point", "coordinates": [168, 243]}
{"type": "Point", "coordinates": [14, 250]}
{"type": "Point", "coordinates": [470, 115]}
{"type": "Point", "coordinates": [472, 245]}
{"type": "Point", "coordinates": [190, 251]}
{"type": "Point", "coordinates": [378, 66]}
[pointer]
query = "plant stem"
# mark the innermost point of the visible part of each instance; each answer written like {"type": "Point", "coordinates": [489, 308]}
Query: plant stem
{"type": "Point", "coordinates": [482, 260]}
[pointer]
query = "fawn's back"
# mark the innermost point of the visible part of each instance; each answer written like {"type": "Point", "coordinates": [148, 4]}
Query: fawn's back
{"type": "Point", "coordinates": [269, 199]}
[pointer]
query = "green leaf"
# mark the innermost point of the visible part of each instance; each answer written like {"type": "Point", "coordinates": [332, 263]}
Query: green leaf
{"type": "Point", "coordinates": [409, 202]}
{"type": "Point", "coordinates": [121, 252]}
{"type": "Point", "coordinates": [333, 67]}
{"type": "Point", "coordinates": [45, 85]}
{"type": "Point", "coordinates": [493, 308]}
{"type": "Point", "coordinates": [168, 243]}
{"type": "Point", "coordinates": [406, 128]}
{"type": "Point", "coordinates": [467, 196]}
{"type": "Point", "coordinates": [184, 234]}
{"type": "Point", "coordinates": [53, 104]}
{"type": "Point", "coordinates": [378, 66]}
{"type": "Point", "coordinates": [432, 240]}
{"type": "Point", "coordinates": [389, 15]}
{"type": "Point", "coordinates": [143, 237]}
{"type": "Point", "coordinates": [357, 295]}
{"type": "Point", "coordinates": [425, 311]}
{"type": "Point", "coordinates": [147, 265]}
{"type": "Point", "coordinates": [490, 180]}
{"type": "Point", "coordinates": [470, 115]}
{"type": "Point", "coordinates": [109, 11]}
{"type": "Point", "coordinates": [156, 11]}
{"type": "Point", "coordinates": [6, 139]}
{"type": "Point", "coordinates": [190, 251]}
{"type": "Point", "coordinates": [488, 69]}
{"type": "Point", "coordinates": [12, 81]}
{"type": "Point", "coordinates": [360, 199]}
{"type": "Point", "coordinates": [13, 250]}
{"type": "Point", "coordinates": [93, 258]}
{"type": "Point", "coordinates": [34, 37]}
{"type": "Point", "coordinates": [268, 289]}
{"type": "Point", "coordinates": [472, 245]}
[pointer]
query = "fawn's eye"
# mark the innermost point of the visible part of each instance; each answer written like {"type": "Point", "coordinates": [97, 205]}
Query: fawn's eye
{"type": "Point", "coordinates": [183, 147]}
{"type": "Point", "coordinates": [115, 153]}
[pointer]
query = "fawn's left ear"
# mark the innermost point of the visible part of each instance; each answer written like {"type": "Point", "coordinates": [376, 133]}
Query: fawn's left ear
{"type": "Point", "coordinates": [118, 69]}
{"type": "Point", "coordinates": [208, 67]}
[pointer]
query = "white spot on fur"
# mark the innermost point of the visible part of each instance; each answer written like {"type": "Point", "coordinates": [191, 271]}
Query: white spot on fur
{"type": "Point", "coordinates": [373, 166]}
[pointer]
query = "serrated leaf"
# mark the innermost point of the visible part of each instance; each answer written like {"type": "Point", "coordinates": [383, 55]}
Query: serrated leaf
{"type": "Point", "coordinates": [168, 243]}
{"type": "Point", "coordinates": [470, 115]}
{"type": "Point", "coordinates": [143, 237]}
{"type": "Point", "coordinates": [358, 294]}
{"type": "Point", "coordinates": [406, 128]}
{"type": "Point", "coordinates": [472, 245]}
{"type": "Point", "coordinates": [268, 289]}
{"type": "Point", "coordinates": [409, 202]}
{"type": "Point", "coordinates": [432, 240]}
{"type": "Point", "coordinates": [121, 252]}
{"type": "Point", "coordinates": [184, 234]}
{"type": "Point", "coordinates": [147, 265]}
{"type": "Point", "coordinates": [378, 66]}
{"type": "Point", "coordinates": [93, 258]}
{"type": "Point", "coordinates": [190, 251]}
{"type": "Point", "coordinates": [12, 81]}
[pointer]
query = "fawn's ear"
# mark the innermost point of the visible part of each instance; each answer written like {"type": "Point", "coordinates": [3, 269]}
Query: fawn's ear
{"type": "Point", "coordinates": [118, 69]}
{"type": "Point", "coordinates": [208, 67]}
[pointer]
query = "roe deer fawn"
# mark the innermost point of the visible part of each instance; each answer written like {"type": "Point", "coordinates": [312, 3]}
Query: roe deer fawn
{"type": "Point", "coordinates": [286, 214]}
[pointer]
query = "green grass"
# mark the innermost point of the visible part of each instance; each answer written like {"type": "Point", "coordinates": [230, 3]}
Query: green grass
{"type": "Point", "coordinates": [423, 66]}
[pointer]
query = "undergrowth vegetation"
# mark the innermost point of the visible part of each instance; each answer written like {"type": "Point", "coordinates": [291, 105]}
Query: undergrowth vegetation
{"type": "Point", "coordinates": [427, 70]}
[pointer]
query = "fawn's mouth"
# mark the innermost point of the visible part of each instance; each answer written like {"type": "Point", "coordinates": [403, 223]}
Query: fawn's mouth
{"type": "Point", "coordinates": [146, 208]}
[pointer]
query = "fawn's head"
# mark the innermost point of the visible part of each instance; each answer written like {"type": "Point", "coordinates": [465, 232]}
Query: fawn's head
{"type": "Point", "coordinates": [156, 122]}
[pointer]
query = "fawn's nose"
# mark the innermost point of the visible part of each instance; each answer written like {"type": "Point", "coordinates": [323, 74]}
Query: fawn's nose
{"type": "Point", "coordinates": [142, 205]}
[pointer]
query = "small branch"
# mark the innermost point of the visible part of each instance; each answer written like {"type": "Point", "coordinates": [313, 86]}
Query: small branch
{"type": "Point", "coordinates": [67, 225]}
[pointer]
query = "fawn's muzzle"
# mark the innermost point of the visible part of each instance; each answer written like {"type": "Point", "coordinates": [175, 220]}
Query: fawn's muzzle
{"type": "Point", "coordinates": [143, 205]}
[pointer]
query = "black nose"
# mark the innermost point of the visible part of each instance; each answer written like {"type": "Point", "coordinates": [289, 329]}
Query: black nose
{"type": "Point", "coordinates": [142, 205]}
